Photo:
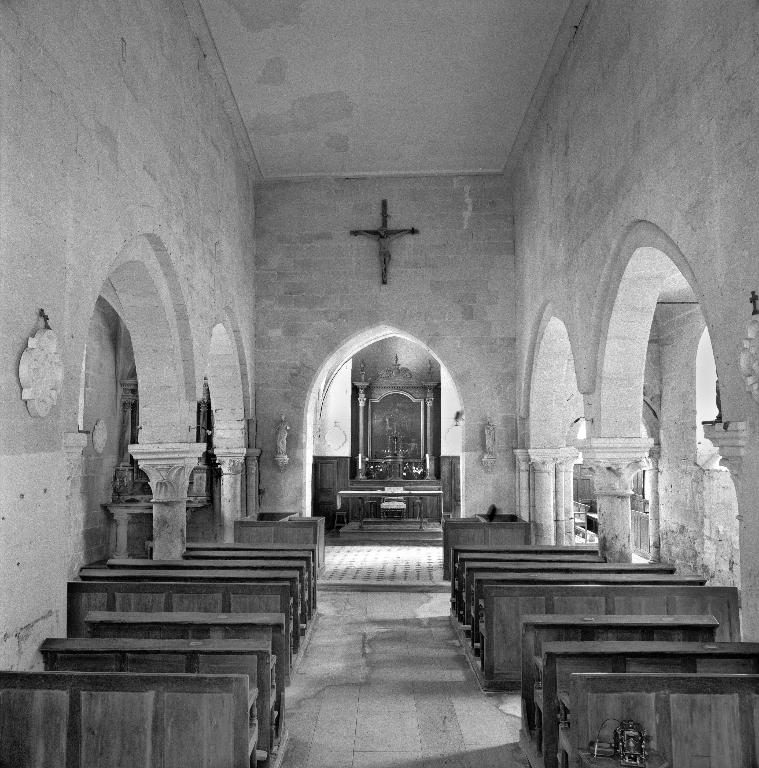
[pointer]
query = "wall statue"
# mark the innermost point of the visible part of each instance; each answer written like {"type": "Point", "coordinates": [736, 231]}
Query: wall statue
{"type": "Point", "coordinates": [40, 371]}
{"type": "Point", "coordinates": [280, 431]}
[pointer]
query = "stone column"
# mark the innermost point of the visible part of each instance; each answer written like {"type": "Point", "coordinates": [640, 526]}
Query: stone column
{"type": "Point", "coordinates": [361, 385]}
{"type": "Point", "coordinates": [428, 430]}
{"type": "Point", "coordinates": [74, 444]}
{"type": "Point", "coordinates": [120, 514]}
{"type": "Point", "coordinates": [543, 463]}
{"type": "Point", "coordinates": [522, 483]}
{"type": "Point", "coordinates": [613, 462]}
{"type": "Point", "coordinates": [231, 464]}
{"type": "Point", "coordinates": [654, 535]}
{"type": "Point", "coordinates": [559, 511]}
{"type": "Point", "coordinates": [251, 482]}
{"type": "Point", "coordinates": [168, 467]}
{"type": "Point", "coordinates": [564, 476]}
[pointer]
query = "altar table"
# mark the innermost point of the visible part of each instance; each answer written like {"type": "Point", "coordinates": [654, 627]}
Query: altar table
{"type": "Point", "coordinates": [383, 493]}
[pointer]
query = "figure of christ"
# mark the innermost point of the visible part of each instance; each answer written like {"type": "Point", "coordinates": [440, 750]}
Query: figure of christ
{"type": "Point", "coordinates": [383, 236]}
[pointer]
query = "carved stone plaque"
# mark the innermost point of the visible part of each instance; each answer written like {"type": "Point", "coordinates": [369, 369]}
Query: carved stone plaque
{"type": "Point", "coordinates": [41, 373]}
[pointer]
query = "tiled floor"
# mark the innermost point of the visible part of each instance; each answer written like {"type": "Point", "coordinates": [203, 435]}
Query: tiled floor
{"type": "Point", "coordinates": [383, 563]}
{"type": "Point", "coordinates": [384, 684]}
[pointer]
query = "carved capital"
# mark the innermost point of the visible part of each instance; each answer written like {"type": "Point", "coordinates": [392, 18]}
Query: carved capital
{"type": "Point", "coordinates": [542, 459]}
{"type": "Point", "coordinates": [168, 467]}
{"type": "Point", "coordinates": [614, 461]}
{"type": "Point", "coordinates": [74, 444]}
{"type": "Point", "coordinates": [230, 463]}
{"type": "Point", "coordinates": [523, 458]}
{"type": "Point", "coordinates": [731, 439]}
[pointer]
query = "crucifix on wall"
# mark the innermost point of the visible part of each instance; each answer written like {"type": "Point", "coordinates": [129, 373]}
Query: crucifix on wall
{"type": "Point", "coordinates": [383, 236]}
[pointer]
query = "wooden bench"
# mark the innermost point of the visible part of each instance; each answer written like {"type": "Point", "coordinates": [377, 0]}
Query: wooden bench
{"type": "Point", "coordinates": [307, 555]}
{"type": "Point", "coordinates": [545, 672]}
{"type": "Point", "coordinates": [209, 657]}
{"type": "Point", "coordinates": [212, 576]}
{"type": "Point", "coordinates": [458, 558]}
{"type": "Point", "coordinates": [474, 530]}
{"type": "Point", "coordinates": [177, 625]}
{"type": "Point", "coordinates": [485, 577]}
{"type": "Point", "coordinates": [295, 531]}
{"type": "Point", "coordinates": [692, 720]}
{"type": "Point", "coordinates": [82, 720]}
{"type": "Point", "coordinates": [307, 600]}
{"type": "Point", "coordinates": [503, 605]}
{"type": "Point", "coordinates": [531, 552]}
{"type": "Point", "coordinates": [269, 597]}
{"type": "Point", "coordinates": [469, 569]}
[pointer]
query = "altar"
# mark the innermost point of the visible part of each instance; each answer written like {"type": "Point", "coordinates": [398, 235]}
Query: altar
{"type": "Point", "coordinates": [385, 496]}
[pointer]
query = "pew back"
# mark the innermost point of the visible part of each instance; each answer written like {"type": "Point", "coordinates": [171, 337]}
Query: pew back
{"type": "Point", "coordinates": [503, 606]}
{"type": "Point", "coordinates": [296, 531]}
{"type": "Point", "coordinates": [474, 530]}
{"type": "Point", "coordinates": [692, 720]}
{"type": "Point", "coordinates": [121, 721]}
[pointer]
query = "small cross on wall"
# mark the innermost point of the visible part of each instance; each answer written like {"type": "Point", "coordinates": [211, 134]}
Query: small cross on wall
{"type": "Point", "coordinates": [753, 300]}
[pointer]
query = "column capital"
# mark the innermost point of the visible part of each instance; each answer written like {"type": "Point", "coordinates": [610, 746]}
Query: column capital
{"type": "Point", "coordinates": [252, 453]}
{"type": "Point", "coordinates": [231, 462]}
{"type": "Point", "coordinates": [168, 467]}
{"type": "Point", "coordinates": [566, 456]}
{"type": "Point", "coordinates": [522, 455]}
{"type": "Point", "coordinates": [731, 439]}
{"type": "Point", "coordinates": [543, 459]}
{"type": "Point", "coordinates": [614, 461]}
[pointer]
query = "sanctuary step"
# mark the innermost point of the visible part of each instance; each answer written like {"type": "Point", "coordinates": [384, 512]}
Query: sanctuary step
{"type": "Point", "coordinates": [380, 531]}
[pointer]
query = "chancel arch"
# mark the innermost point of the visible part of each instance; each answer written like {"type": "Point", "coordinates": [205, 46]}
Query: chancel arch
{"type": "Point", "coordinates": [346, 431]}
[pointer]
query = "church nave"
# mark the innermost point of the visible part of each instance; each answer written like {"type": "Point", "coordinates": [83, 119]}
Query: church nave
{"type": "Point", "coordinates": [384, 683]}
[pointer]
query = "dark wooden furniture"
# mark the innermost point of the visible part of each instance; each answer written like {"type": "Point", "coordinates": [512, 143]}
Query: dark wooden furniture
{"type": "Point", "coordinates": [503, 605]}
{"type": "Point", "coordinates": [474, 530]}
{"type": "Point", "coordinates": [145, 596]}
{"type": "Point", "coordinates": [82, 720]}
{"type": "Point", "coordinates": [693, 720]}
{"type": "Point", "coordinates": [472, 570]}
{"type": "Point", "coordinates": [263, 563]}
{"type": "Point", "coordinates": [307, 555]}
{"type": "Point", "coordinates": [295, 531]}
{"type": "Point", "coordinates": [177, 625]}
{"type": "Point", "coordinates": [558, 660]}
{"type": "Point", "coordinates": [209, 657]}
{"type": "Point", "coordinates": [362, 495]}
{"type": "Point", "coordinates": [329, 475]}
{"type": "Point", "coordinates": [211, 576]}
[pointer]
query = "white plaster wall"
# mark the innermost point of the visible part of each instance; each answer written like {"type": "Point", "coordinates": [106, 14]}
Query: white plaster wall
{"type": "Point", "coordinates": [101, 141]}
{"type": "Point", "coordinates": [333, 433]}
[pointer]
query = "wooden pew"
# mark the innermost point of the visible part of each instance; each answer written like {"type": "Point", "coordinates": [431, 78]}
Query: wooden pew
{"type": "Point", "coordinates": [589, 551]}
{"type": "Point", "coordinates": [81, 720]}
{"type": "Point", "coordinates": [307, 600]}
{"type": "Point", "coordinates": [307, 555]}
{"type": "Point", "coordinates": [296, 531]}
{"type": "Point", "coordinates": [555, 646]}
{"type": "Point", "coordinates": [693, 720]}
{"type": "Point", "coordinates": [471, 569]}
{"type": "Point", "coordinates": [503, 605]}
{"type": "Point", "coordinates": [268, 597]}
{"type": "Point", "coordinates": [208, 657]}
{"type": "Point", "coordinates": [458, 558]}
{"type": "Point", "coordinates": [192, 625]}
{"type": "Point", "coordinates": [241, 576]}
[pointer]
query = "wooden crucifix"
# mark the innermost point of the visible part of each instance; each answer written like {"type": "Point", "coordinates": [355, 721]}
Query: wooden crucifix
{"type": "Point", "coordinates": [383, 236]}
{"type": "Point", "coordinates": [753, 300]}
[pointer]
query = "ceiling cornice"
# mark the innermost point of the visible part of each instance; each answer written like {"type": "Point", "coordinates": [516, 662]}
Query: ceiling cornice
{"type": "Point", "coordinates": [569, 27]}
{"type": "Point", "coordinates": [212, 60]}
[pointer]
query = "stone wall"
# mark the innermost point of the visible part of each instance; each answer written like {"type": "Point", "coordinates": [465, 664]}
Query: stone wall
{"type": "Point", "coordinates": [648, 120]}
{"type": "Point", "coordinates": [450, 287]}
{"type": "Point", "coordinates": [113, 131]}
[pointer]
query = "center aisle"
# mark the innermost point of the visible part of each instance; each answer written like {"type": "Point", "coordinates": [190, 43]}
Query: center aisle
{"type": "Point", "coordinates": [385, 683]}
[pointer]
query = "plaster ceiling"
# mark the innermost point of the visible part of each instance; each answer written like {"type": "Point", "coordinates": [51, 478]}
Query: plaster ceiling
{"type": "Point", "coordinates": [360, 87]}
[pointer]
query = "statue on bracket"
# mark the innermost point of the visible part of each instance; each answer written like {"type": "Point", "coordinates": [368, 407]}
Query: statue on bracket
{"type": "Point", "coordinates": [280, 457]}
{"type": "Point", "coordinates": [40, 370]}
{"type": "Point", "coordinates": [489, 457]}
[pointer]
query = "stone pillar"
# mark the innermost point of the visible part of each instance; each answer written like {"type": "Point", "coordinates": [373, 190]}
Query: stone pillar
{"type": "Point", "coordinates": [74, 444]}
{"type": "Point", "coordinates": [231, 464]}
{"type": "Point", "coordinates": [361, 470]}
{"type": "Point", "coordinates": [168, 467]}
{"type": "Point", "coordinates": [522, 483]}
{"type": "Point", "coordinates": [428, 430]}
{"type": "Point", "coordinates": [613, 462]}
{"type": "Point", "coordinates": [251, 482]}
{"type": "Point", "coordinates": [543, 464]}
{"type": "Point", "coordinates": [559, 510]}
{"type": "Point", "coordinates": [654, 535]}
{"type": "Point", "coordinates": [120, 514]}
{"type": "Point", "coordinates": [565, 475]}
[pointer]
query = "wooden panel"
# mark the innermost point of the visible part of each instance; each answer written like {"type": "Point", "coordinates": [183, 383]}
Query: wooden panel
{"type": "Point", "coordinates": [88, 662]}
{"type": "Point", "coordinates": [155, 662]}
{"type": "Point", "coordinates": [199, 731]}
{"type": "Point", "coordinates": [139, 601]}
{"type": "Point", "coordinates": [650, 602]}
{"type": "Point", "coordinates": [33, 728]}
{"type": "Point", "coordinates": [210, 602]}
{"type": "Point", "coordinates": [706, 730]}
{"type": "Point", "coordinates": [85, 602]}
{"type": "Point", "coordinates": [724, 610]}
{"type": "Point", "coordinates": [118, 730]}
{"type": "Point", "coordinates": [622, 706]}
{"type": "Point", "coordinates": [585, 604]}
